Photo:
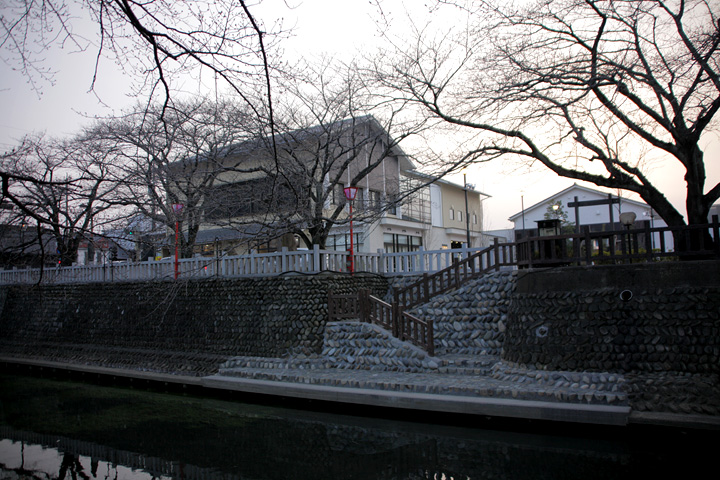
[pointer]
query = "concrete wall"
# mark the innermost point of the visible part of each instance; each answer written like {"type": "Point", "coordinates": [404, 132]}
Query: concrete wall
{"type": "Point", "coordinates": [185, 327]}
{"type": "Point", "coordinates": [667, 319]}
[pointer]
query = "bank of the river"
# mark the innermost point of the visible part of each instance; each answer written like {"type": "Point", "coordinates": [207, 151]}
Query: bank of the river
{"type": "Point", "coordinates": [573, 345]}
{"type": "Point", "coordinates": [54, 428]}
{"type": "Point", "coordinates": [412, 395]}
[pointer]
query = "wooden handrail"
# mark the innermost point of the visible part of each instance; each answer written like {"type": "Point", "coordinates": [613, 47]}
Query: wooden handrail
{"type": "Point", "coordinates": [462, 270]}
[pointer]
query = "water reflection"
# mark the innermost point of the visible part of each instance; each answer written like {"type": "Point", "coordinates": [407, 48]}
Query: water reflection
{"type": "Point", "coordinates": [59, 429]}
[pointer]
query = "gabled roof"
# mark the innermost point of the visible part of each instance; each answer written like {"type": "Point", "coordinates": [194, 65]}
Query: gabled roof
{"type": "Point", "coordinates": [249, 146]}
{"type": "Point", "coordinates": [571, 188]}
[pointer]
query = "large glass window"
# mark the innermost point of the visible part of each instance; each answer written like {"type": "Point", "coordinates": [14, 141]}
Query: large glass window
{"type": "Point", "coordinates": [394, 243]}
{"type": "Point", "coordinates": [342, 242]}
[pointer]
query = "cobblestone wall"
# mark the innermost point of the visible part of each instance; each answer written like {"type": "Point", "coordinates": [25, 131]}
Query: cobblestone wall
{"type": "Point", "coordinates": [636, 328]}
{"type": "Point", "coordinates": [188, 326]}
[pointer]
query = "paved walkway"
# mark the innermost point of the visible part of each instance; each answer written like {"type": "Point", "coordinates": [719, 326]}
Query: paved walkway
{"type": "Point", "coordinates": [460, 384]}
{"type": "Point", "coordinates": [484, 387]}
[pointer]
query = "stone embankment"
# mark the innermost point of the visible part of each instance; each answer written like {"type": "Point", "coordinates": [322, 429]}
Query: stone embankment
{"type": "Point", "coordinates": [643, 336]}
{"type": "Point", "coordinates": [469, 331]}
{"type": "Point", "coordinates": [186, 327]}
{"type": "Point", "coordinates": [472, 319]}
{"type": "Point", "coordinates": [364, 356]}
{"type": "Point", "coordinates": [658, 325]}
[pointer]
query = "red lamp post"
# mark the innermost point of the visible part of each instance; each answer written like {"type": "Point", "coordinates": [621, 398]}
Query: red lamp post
{"type": "Point", "coordinates": [177, 210]}
{"type": "Point", "coordinates": [350, 193]}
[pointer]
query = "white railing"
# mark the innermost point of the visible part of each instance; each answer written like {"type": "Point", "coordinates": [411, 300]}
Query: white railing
{"type": "Point", "coordinates": [254, 264]}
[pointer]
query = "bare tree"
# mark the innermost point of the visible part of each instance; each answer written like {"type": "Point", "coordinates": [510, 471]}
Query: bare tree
{"type": "Point", "coordinates": [163, 44]}
{"type": "Point", "coordinates": [587, 88]}
{"type": "Point", "coordinates": [157, 40]}
{"type": "Point", "coordinates": [175, 156]}
{"type": "Point", "coordinates": [61, 187]}
{"type": "Point", "coordinates": [326, 139]}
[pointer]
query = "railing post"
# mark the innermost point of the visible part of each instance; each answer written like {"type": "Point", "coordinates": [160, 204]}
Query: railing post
{"type": "Point", "coordinates": [496, 249]}
{"type": "Point", "coordinates": [316, 258]}
{"type": "Point", "coordinates": [588, 245]}
{"type": "Point", "coordinates": [426, 288]}
{"type": "Point", "coordinates": [430, 336]}
{"type": "Point", "coordinates": [456, 271]}
{"type": "Point", "coordinates": [284, 260]}
{"type": "Point", "coordinates": [396, 312]}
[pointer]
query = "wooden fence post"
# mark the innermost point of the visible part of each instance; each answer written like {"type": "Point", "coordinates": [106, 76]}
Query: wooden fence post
{"type": "Point", "coordinates": [496, 249]}
{"type": "Point", "coordinates": [426, 287]}
{"type": "Point", "coordinates": [364, 305]}
{"type": "Point", "coordinates": [588, 245]}
{"type": "Point", "coordinates": [430, 336]}
{"type": "Point", "coordinates": [396, 312]}
{"type": "Point", "coordinates": [456, 271]}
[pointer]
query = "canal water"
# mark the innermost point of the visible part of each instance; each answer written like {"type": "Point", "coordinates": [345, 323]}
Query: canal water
{"type": "Point", "coordinates": [60, 429]}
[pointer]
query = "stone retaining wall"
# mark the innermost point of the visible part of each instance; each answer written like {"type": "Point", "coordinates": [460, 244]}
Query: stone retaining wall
{"type": "Point", "coordinates": [166, 326]}
{"type": "Point", "coordinates": [471, 319]}
{"type": "Point", "coordinates": [578, 319]}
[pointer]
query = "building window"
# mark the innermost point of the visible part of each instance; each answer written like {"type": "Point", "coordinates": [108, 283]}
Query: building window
{"type": "Point", "coordinates": [342, 242]}
{"type": "Point", "coordinates": [474, 219]}
{"type": "Point", "coordinates": [375, 199]}
{"type": "Point", "coordinates": [394, 243]}
{"type": "Point", "coordinates": [460, 215]}
{"type": "Point", "coordinates": [452, 214]}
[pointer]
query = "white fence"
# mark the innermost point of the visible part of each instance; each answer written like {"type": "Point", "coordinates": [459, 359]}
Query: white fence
{"type": "Point", "coordinates": [255, 264]}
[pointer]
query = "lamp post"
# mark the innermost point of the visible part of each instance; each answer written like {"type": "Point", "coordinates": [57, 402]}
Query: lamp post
{"type": "Point", "coordinates": [350, 193]}
{"type": "Point", "coordinates": [628, 219]}
{"type": "Point", "coordinates": [217, 256]}
{"type": "Point", "coordinates": [467, 212]}
{"type": "Point", "coordinates": [177, 210]}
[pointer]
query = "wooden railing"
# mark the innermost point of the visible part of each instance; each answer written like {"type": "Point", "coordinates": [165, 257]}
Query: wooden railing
{"type": "Point", "coordinates": [367, 308]}
{"type": "Point", "coordinates": [646, 244]}
{"type": "Point", "coordinates": [416, 331]}
{"type": "Point", "coordinates": [462, 269]}
{"type": "Point", "coordinates": [344, 306]}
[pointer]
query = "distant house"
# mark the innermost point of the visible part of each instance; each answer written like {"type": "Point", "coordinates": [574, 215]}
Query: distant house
{"type": "Point", "coordinates": [20, 248]}
{"type": "Point", "coordinates": [581, 207]}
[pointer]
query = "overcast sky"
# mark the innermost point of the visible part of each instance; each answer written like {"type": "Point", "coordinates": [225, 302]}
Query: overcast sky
{"type": "Point", "coordinates": [342, 28]}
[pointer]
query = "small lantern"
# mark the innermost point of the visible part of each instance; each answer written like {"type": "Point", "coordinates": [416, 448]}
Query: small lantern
{"type": "Point", "coordinates": [350, 193]}
{"type": "Point", "coordinates": [627, 219]}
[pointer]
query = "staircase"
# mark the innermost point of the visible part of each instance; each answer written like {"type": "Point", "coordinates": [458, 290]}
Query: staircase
{"type": "Point", "coordinates": [471, 319]}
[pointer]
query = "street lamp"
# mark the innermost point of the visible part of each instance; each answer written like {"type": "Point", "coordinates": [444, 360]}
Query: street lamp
{"type": "Point", "coordinates": [177, 210]}
{"type": "Point", "coordinates": [217, 256]}
{"type": "Point", "coordinates": [628, 219]}
{"type": "Point", "coordinates": [350, 193]}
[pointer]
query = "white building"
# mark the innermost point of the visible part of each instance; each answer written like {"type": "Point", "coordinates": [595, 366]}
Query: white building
{"type": "Point", "coordinates": [583, 206]}
{"type": "Point", "coordinates": [396, 209]}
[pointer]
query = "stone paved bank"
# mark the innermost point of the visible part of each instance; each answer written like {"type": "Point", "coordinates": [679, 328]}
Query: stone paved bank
{"type": "Point", "coordinates": [188, 327]}
{"type": "Point", "coordinates": [473, 318]}
{"type": "Point", "coordinates": [657, 324]}
{"type": "Point", "coordinates": [559, 335]}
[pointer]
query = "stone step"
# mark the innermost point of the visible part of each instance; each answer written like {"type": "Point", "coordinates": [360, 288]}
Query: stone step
{"type": "Point", "coordinates": [471, 319]}
{"type": "Point", "coordinates": [476, 386]}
